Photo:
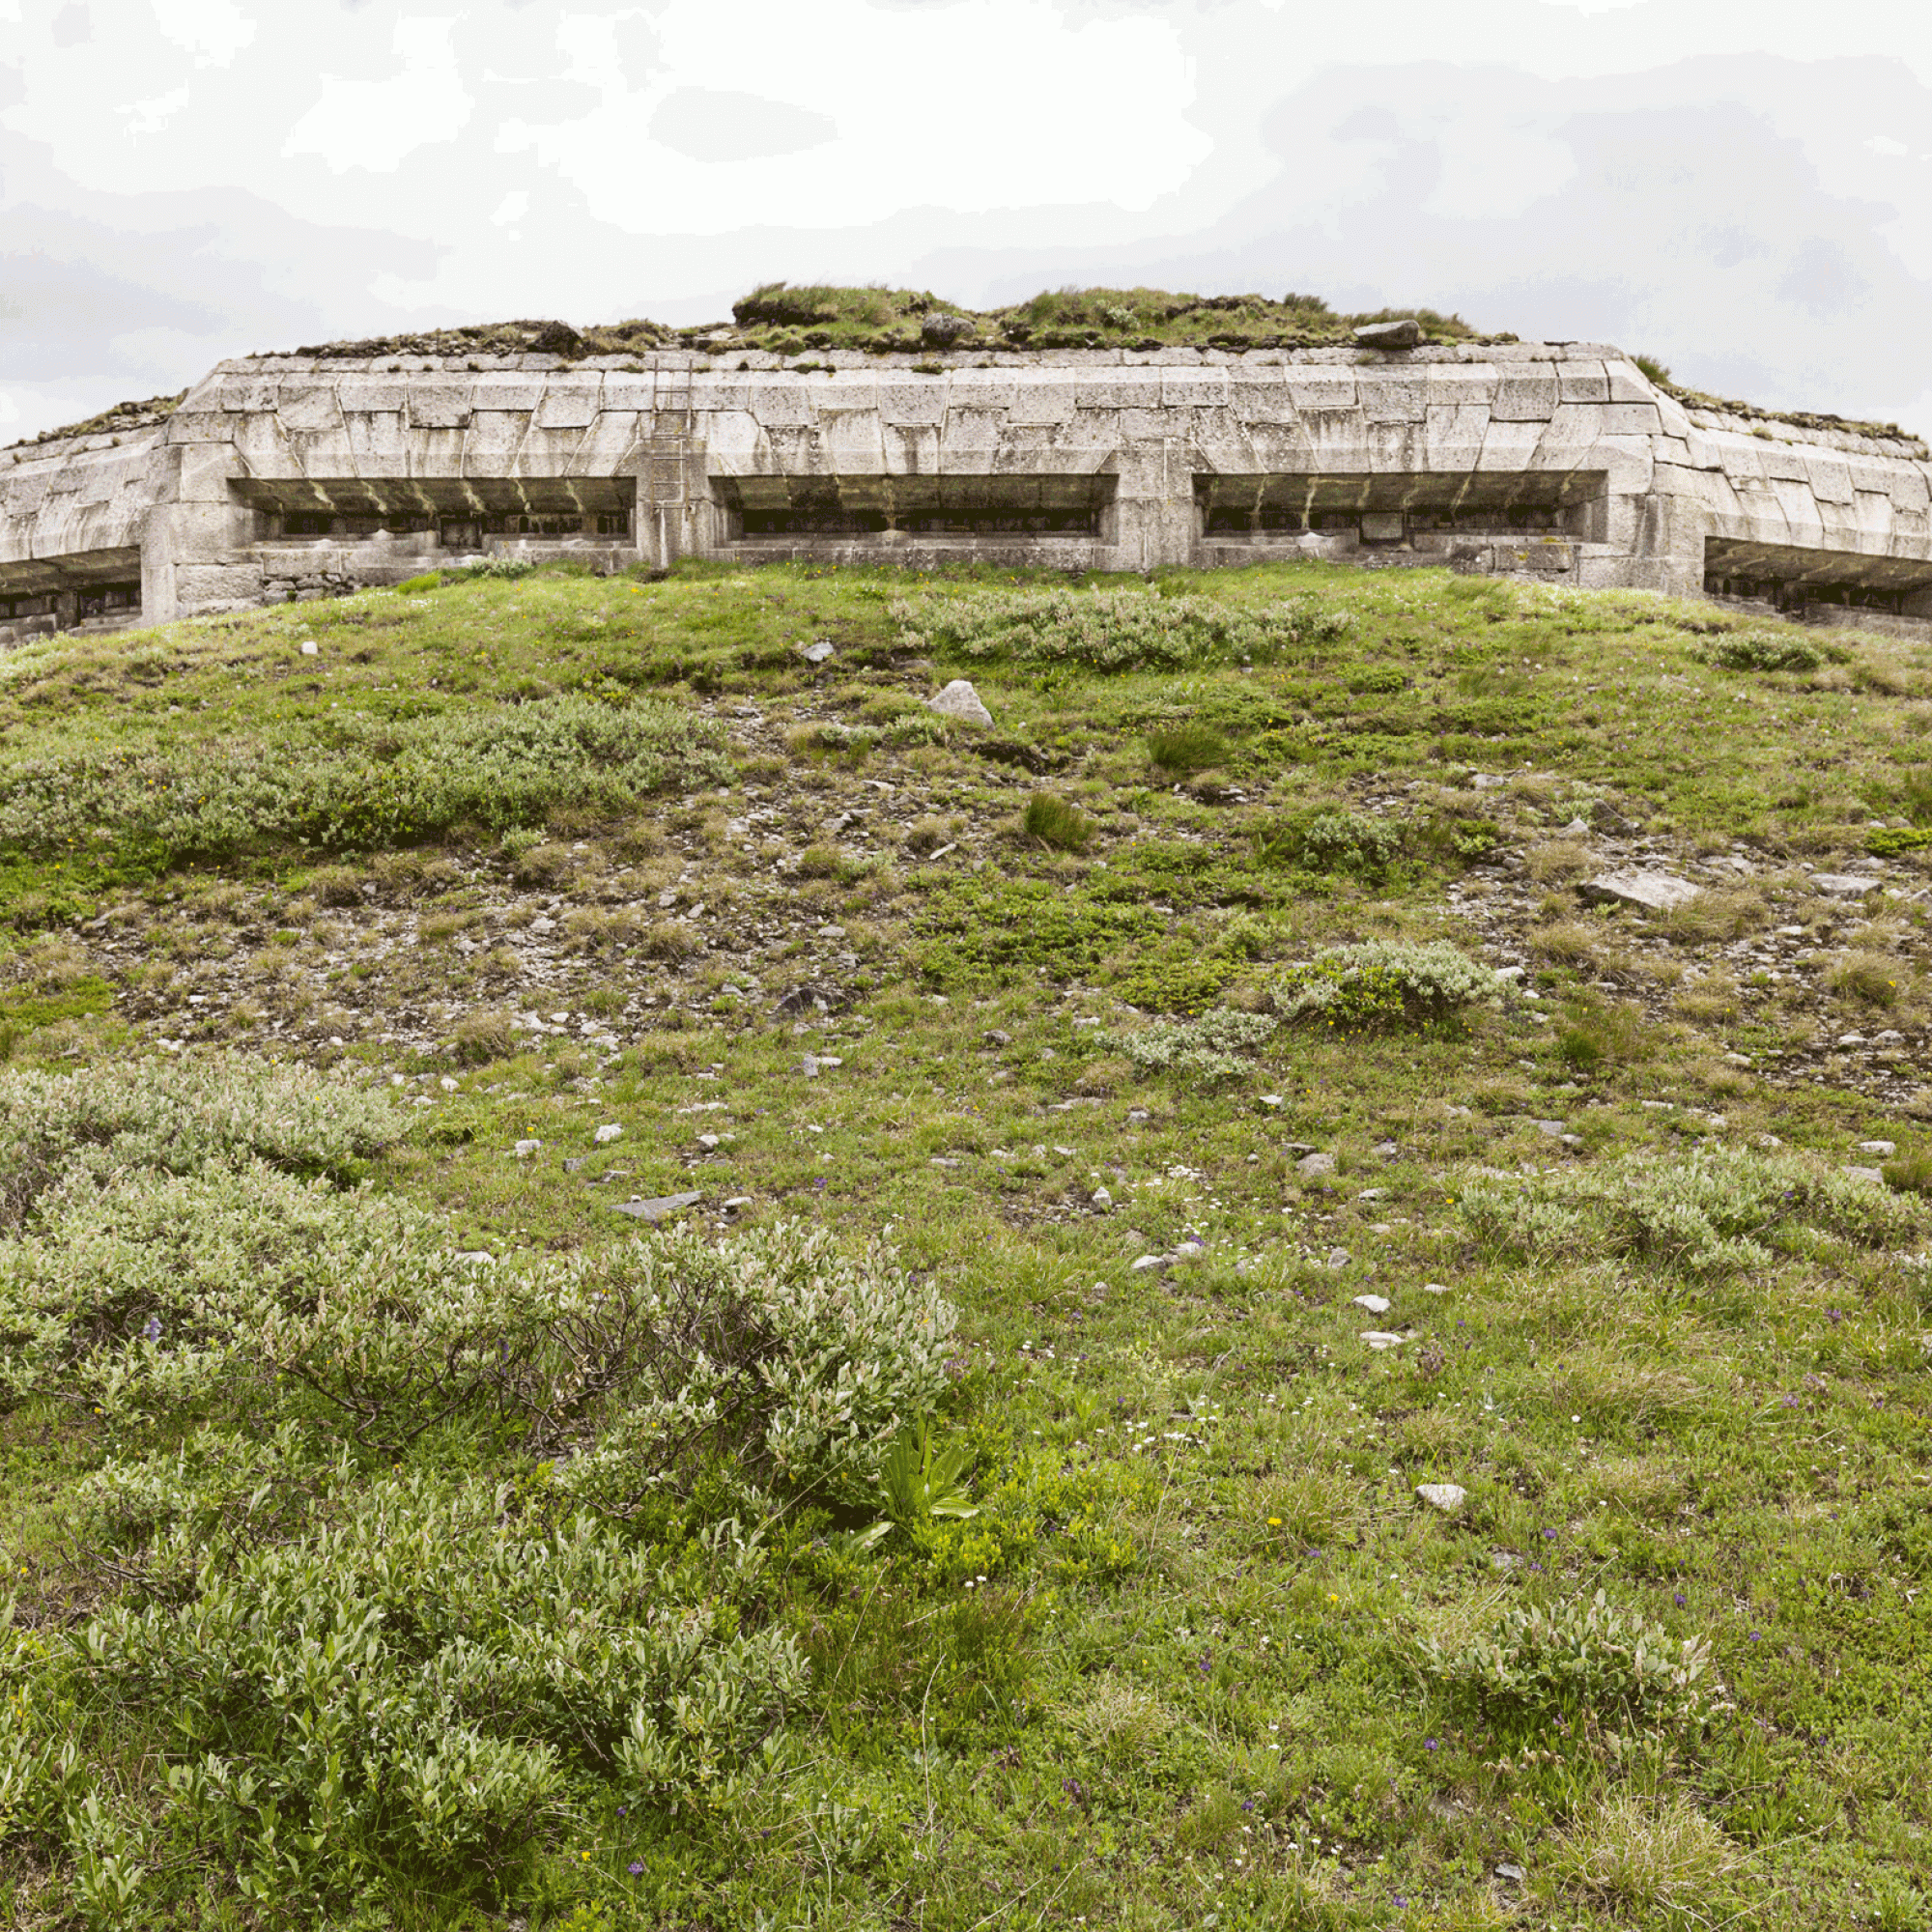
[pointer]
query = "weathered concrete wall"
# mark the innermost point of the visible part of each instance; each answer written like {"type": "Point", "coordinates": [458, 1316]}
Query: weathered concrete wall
{"type": "Point", "coordinates": [284, 476]}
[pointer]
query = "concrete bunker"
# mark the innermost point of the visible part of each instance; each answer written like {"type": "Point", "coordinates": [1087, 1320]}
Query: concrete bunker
{"type": "Point", "coordinates": [82, 590]}
{"type": "Point", "coordinates": [962, 510]}
{"type": "Point", "coordinates": [1796, 577]}
{"type": "Point", "coordinates": [460, 513]}
{"type": "Point", "coordinates": [1401, 508]}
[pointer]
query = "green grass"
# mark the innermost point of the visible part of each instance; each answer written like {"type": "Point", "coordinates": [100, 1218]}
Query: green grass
{"type": "Point", "coordinates": [1137, 1620]}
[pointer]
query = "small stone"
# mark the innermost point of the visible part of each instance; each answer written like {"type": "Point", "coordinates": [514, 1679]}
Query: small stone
{"type": "Point", "coordinates": [1271, 1099]}
{"type": "Point", "coordinates": [1101, 1199]}
{"type": "Point", "coordinates": [707, 1142]}
{"type": "Point", "coordinates": [1147, 1262]}
{"type": "Point", "coordinates": [1514, 1873]}
{"type": "Point", "coordinates": [1376, 1304]}
{"type": "Point", "coordinates": [1338, 1258]}
{"type": "Point", "coordinates": [1378, 1338]}
{"type": "Point", "coordinates": [1851, 1039]}
{"type": "Point", "coordinates": [1884, 1149]}
{"type": "Point", "coordinates": [310, 649]}
{"type": "Point", "coordinates": [1313, 1166]}
{"type": "Point", "coordinates": [447, 1085]}
{"type": "Point", "coordinates": [610, 1131]}
{"type": "Point", "coordinates": [809, 1066]}
{"type": "Point", "coordinates": [525, 1149]}
{"type": "Point", "coordinates": [941, 329]}
{"type": "Point", "coordinates": [654, 1210]}
{"type": "Point", "coordinates": [1654, 892]}
{"type": "Point", "coordinates": [1555, 1129]}
{"type": "Point", "coordinates": [574, 1163]}
{"type": "Point", "coordinates": [1890, 1037]}
{"type": "Point", "coordinates": [1865, 1174]}
{"type": "Point", "coordinates": [817, 653]}
{"type": "Point", "coordinates": [1845, 885]}
{"type": "Point", "coordinates": [1505, 1560]}
{"type": "Point", "coordinates": [1448, 1497]}
{"type": "Point", "coordinates": [1404, 333]}
{"type": "Point", "coordinates": [958, 700]}
{"type": "Point", "coordinates": [1577, 828]}
{"type": "Point", "coordinates": [1436, 1288]}
{"type": "Point", "coordinates": [737, 1204]}
{"type": "Point", "coordinates": [1373, 1194]}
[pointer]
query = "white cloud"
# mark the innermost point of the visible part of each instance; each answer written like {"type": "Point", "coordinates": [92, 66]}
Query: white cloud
{"type": "Point", "coordinates": [1884, 144]}
{"type": "Point", "coordinates": [213, 31]}
{"type": "Point", "coordinates": [374, 124]}
{"type": "Point", "coordinates": [972, 106]}
{"type": "Point", "coordinates": [513, 207]}
{"type": "Point", "coordinates": [150, 117]}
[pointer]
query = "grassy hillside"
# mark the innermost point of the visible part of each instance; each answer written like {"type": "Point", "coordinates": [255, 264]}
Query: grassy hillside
{"type": "Point", "coordinates": [644, 1286]}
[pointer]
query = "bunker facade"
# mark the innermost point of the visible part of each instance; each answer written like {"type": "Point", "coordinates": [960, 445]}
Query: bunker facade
{"type": "Point", "coordinates": [281, 477]}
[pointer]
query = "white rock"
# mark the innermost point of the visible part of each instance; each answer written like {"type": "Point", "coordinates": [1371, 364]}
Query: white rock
{"type": "Point", "coordinates": [1655, 891]}
{"type": "Point", "coordinates": [1271, 1099]}
{"type": "Point", "coordinates": [1851, 1039]}
{"type": "Point", "coordinates": [1867, 1174]}
{"type": "Point", "coordinates": [960, 701]}
{"type": "Point", "coordinates": [1845, 885]}
{"type": "Point", "coordinates": [817, 653]}
{"type": "Point", "coordinates": [525, 1149]}
{"type": "Point", "coordinates": [1338, 1258]}
{"type": "Point", "coordinates": [1436, 1288]}
{"type": "Point", "coordinates": [447, 1084]}
{"type": "Point", "coordinates": [1577, 828]}
{"type": "Point", "coordinates": [1376, 1304]}
{"type": "Point", "coordinates": [610, 1132]}
{"type": "Point", "coordinates": [1148, 1261]}
{"type": "Point", "coordinates": [310, 649]}
{"type": "Point", "coordinates": [1378, 1338]}
{"type": "Point", "coordinates": [707, 1142]}
{"type": "Point", "coordinates": [1884, 1149]}
{"type": "Point", "coordinates": [1313, 1166]}
{"type": "Point", "coordinates": [1448, 1497]}
{"type": "Point", "coordinates": [1101, 1199]}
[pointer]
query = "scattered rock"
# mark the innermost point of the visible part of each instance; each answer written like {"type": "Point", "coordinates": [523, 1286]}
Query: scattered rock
{"type": "Point", "coordinates": [817, 652]}
{"type": "Point", "coordinates": [1101, 1199]}
{"type": "Point", "coordinates": [737, 1204]}
{"type": "Point", "coordinates": [655, 1210]}
{"type": "Point", "coordinates": [1884, 1149]}
{"type": "Point", "coordinates": [574, 1163]}
{"type": "Point", "coordinates": [942, 328]}
{"type": "Point", "coordinates": [708, 1142]}
{"type": "Point", "coordinates": [960, 701]}
{"type": "Point", "coordinates": [1505, 1560]}
{"type": "Point", "coordinates": [1654, 892]}
{"type": "Point", "coordinates": [1845, 885]}
{"type": "Point", "coordinates": [610, 1131]}
{"type": "Point", "coordinates": [1313, 1166]}
{"type": "Point", "coordinates": [809, 1066]}
{"type": "Point", "coordinates": [1271, 1099]}
{"type": "Point", "coordinates": [1867, 1174]}
{"type": "Point", "coordinates": [1448, 1497]}
{"type": "Point", "coordinates": [525, 1149]}
{"type": "Point", "coordinates": [1851, 1039]}
{"type": "Point", "coordinates": [1555, 1129]}
{"type": "Point", "coordinates": [310, 649]}
{"type": "Point", "coordinates": [1338, 1258]}
{"type": "Point", "coordinates": [1376, 1304]}
{"type": "Point", "coordinates": [1404, 333]}
{"type": "Point", "coordinates": [1577, 828]}
{"type": "Point", "coordinates": [1147, 1262]}
{"type": "Point", "coordinates": [1514, 1873]}
{"type": "Point", "coordinates": [1378, 1338]}
{"type": "Point", "coordinates": [1436, 1288]}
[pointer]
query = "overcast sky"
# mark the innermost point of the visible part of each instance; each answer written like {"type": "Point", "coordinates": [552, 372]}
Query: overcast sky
{"type": "Point", "coordinates": [1741, 187]}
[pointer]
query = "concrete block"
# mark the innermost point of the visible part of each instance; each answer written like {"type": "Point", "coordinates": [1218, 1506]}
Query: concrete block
{"type": "Point", "coordinates": [964, 458]}
{"type": "Point", "coordinates": [911, 450]}
{"type": "Point", "coordinates": [322, 452]}
{"type": "Point", "coordinates": [1041, 400]}
{"type": "Point", "coordinates": [371, 394]}
{"type": "Point", "coordinates": [1118, 389]}
{"type": "Point", "coordinates": [623, 391]}
{"type": "Point", "coordinates": [302, 407]}
{"type": "Point", "coordinates": [377, 441]}
{"type": "Point", "coordinates": [972, 428]}
{"type": "Point", "coordinates": [1526, 395]}
{"type": "Point", "coordinates": [798, 449]}
{"type": "Point", "coordinates": [912, 400]}
{"type": "Point", "coordinates": [573, 407]}
{"type": "Point", "coordinates": [611, 445]}
{"type": "Point", "coordinates": [1830, 479]}
{"type": "Point", "coordinates": [546, 452]}
{"type": "Point", "coordinates": [852, 443]}
{"type": "Point", "coordinates": [1393, 395]}
{"type": "Point", "coordinates": [1509, 444]}
{"type": "Point", "coordinates": [1632, 419]}
{"type": "Point", "coordinates": [1453, 436]}
{"type": "Point", "coordinates": [436, 452]}
{"type": "Point", "coordinates": [494, 437]}
{"type": "Point", "coordinates": [203, 475]}
{"type": "Point", "coordinates": [1628, 384]}
{"type": "Point", "coordinates": [505, 392]}
{"type": "Point", "coordinates": [845, 390]}
{"type": "Point", "coordinates": [979, 389]}
{"type": "Point", "coordinates": [782, 403]}
{"type": "Point", "coordinates": [1581, 382]}
{"type": "Point", "coordinates": [1194, 388]}
{"type": "Point", "coordinates": [204, 426]}
{"type": "Point", "coordinates": [438, 404]}
{"type": "Point", "coordinates": [1797, 504]}
{"type": "Point", "coordinates": [1397, 448]}
{"type": "Point", "coordinates": [1323, 388]}
{"type": "Point", "coordinates": [244, 394]}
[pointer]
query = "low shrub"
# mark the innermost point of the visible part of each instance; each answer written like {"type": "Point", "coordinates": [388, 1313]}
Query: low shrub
{"type": "Point", "coordinates": [1216, 1047]}
{"type": "Point", "coordinates": [1582, 1659]}
{"type": "Point", "coordinates": [1332, 841]}
{"type": "Point", "coordinates": [354, 783]}
{"type": "Point", "coordinates": [1382, 983]}
{"type": "Point", "coordinates": [483, 1036]}
{"type": "Point", "coordinates": [1712, 1211]}
{"type": "Point", "coordinates": [1758, 650]}
{"type": "Point", "coordinates": [1057, 823]}
{"type": "Point", "coordinates": [1182, 750]}
{"type": "Point", "coordinates": [1109, 630]}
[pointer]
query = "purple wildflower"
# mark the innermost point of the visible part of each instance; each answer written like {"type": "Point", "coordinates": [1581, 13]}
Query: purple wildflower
{"type": "Point", "coordinates": [636, 1868]}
